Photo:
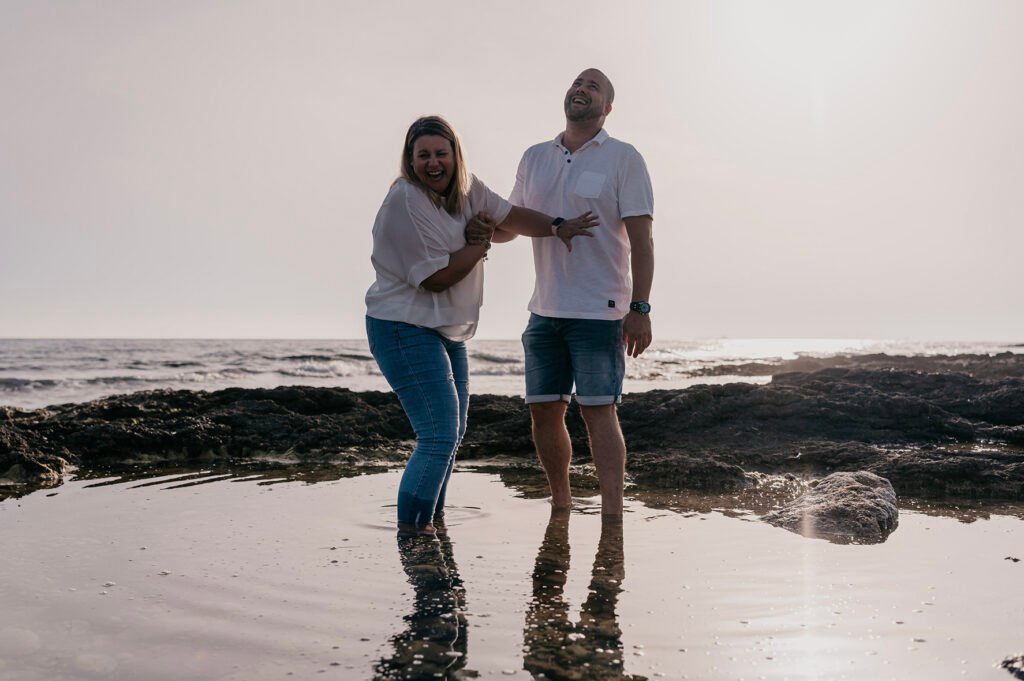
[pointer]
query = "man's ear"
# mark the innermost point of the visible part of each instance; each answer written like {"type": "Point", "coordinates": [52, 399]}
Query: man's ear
{"type": "Point", "coordinates": [607, 108]}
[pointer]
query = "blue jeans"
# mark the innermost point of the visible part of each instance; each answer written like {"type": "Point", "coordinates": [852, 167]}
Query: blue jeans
{"type": "Point", "coordinates": [430, 375]}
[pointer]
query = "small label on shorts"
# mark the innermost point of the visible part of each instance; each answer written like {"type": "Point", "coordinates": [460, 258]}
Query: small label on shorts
{"type": "Point", "coordinates": [611, 303]}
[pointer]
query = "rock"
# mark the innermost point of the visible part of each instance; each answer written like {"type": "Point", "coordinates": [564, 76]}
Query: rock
{"type": "Point", "coordinates": [680, 471]}
{"type": "Point", "coordinates": [844, 508]}
{"type": "Point", "coordinates": [1001, 365]}
{"type": "Point", "coordinates": [955, 470]}
{"type": "Point", "coordinates": [32, 469]}
{"type": "Point", "coordinates": [1014, 665]}
{"type": "Point", "coordinates": [930, 434]}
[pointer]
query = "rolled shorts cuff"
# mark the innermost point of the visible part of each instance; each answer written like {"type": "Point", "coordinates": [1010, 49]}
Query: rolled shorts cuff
{"type": "Point", "coordinates": [598, 400]}
{"type": "Point", "coordinates": [538, 399]}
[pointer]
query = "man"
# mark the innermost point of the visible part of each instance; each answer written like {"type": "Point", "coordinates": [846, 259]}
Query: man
{"type": "Point", "coordinates": [587, 313]}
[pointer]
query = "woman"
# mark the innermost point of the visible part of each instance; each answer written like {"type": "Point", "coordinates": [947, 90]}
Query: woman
{"type": "Point", "coordinates": [426, 299]}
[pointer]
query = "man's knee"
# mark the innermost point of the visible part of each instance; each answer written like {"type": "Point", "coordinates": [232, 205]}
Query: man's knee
{"type": "Point", "coordinates": [599, 415]}
{"type": "Point", "coordinates": [548, 414]}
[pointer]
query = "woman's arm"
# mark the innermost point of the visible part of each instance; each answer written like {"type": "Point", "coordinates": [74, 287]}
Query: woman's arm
{"type": "Point", "coordinates": [460, 264]}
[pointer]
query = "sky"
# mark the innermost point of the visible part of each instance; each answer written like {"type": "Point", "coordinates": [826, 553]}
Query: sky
{"type": "Point", "coordinates": [212, 170]}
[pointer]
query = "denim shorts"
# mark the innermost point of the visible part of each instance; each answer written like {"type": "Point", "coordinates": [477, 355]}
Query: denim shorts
{"type": "Point", "coordinates": [586, 352]}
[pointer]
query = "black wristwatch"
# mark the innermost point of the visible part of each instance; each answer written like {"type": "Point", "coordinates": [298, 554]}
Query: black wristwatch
{"type": "Point", "coordinates": [641, 306]}
{"type": "Point", "coordinates": [555, 224]}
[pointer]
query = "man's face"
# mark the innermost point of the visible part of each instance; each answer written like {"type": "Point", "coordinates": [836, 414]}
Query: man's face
{"type": "Point", "coordinates": [587, 97]}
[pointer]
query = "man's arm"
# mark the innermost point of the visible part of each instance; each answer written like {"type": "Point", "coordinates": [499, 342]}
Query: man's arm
{"type": "Point", "coordinates": [636, 329]}
{"type": "Point", "coordinates": [530, 223]}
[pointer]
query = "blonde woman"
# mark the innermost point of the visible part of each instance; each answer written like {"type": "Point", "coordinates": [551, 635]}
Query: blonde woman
{"type": "Point", "coordinates": [425, 301]}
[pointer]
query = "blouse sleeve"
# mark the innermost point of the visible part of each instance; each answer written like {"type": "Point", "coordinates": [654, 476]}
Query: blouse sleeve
{"type": "Point", "coordinates": [483, 200]}
{"type": "Point", "coordinates": [410, 243]}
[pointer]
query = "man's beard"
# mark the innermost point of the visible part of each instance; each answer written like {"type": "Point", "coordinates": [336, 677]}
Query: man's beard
{"type": "Point", "coordinates": [589, 113]}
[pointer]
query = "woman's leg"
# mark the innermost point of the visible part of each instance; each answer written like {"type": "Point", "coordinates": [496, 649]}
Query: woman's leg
{"type": "Point", "coordinates": [457, 355]}
{"type": "Point", "coordinates": [416, 364]}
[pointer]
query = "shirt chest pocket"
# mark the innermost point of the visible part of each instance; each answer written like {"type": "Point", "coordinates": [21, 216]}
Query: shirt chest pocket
{"type": "Point", "coordinates": [589, 184]}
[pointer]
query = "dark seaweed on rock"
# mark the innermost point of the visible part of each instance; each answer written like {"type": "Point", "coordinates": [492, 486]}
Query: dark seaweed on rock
{"type": "Point", "coordinates": [930, 434]}
{"type": "Point", "coordinates": [999, 365]}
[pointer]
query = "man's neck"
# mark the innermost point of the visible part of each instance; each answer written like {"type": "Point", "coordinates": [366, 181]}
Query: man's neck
{"type": "Point", "coordinates": [578, 134]}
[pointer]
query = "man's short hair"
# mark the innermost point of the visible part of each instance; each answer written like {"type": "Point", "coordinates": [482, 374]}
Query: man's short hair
{"type": "Point", "coordinates": [611, 88]}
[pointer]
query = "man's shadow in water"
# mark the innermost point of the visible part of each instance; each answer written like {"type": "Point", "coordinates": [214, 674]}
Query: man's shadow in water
{"type": "Point", "coordinates": [591, 648]}
{"type": "Point", "coordinates": [433, 645]}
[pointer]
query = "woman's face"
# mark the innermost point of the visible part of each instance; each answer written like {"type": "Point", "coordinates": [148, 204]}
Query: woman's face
{"type": "Point", "coordinates": [433, 162]}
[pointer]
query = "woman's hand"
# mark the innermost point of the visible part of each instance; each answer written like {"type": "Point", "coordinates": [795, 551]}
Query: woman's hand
{"type": "Point", "coordinates": [479, 229]}
{"type": "Point", "coordinates": [578, 226]}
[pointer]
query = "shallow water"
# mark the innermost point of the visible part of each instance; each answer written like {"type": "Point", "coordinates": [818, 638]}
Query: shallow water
{"type": "Point", "coordinates": [298, 574]}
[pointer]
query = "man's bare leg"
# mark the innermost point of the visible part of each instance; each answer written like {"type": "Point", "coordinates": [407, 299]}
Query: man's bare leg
{"type": "Point", "coordinates": [608, 448]}
{"type": "Point", "coordinates": [554, 448]}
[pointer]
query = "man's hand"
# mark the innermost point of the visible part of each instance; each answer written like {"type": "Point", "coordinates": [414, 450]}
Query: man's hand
{"type": "Point", "coordinates": [578, 226]}
{"type": "Point", "coordinates": [479, 229]}
{"type": "Point", "coordinates": [636, 333]}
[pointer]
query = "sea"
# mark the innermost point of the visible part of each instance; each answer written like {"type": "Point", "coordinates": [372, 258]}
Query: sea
{"type": "Point", "coordinates": [36, 373]}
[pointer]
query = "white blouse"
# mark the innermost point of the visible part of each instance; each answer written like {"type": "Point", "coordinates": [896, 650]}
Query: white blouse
{"type": "Point", "coordinates": [412, 239]}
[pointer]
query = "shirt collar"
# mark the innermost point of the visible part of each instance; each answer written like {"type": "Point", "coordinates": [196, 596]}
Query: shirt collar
{"type": "Point", "coordinates": [599, 138]}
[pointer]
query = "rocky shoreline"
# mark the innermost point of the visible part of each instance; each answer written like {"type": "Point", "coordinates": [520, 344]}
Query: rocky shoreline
{"type": "Point", "coordinates": [938, 433]}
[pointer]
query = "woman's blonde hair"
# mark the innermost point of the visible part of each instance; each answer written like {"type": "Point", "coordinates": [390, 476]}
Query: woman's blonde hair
{"type": "Point", "coordinates": [454, 200]}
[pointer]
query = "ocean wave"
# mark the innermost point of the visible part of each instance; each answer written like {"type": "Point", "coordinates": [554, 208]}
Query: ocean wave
{"type": "Point", "coordinates": [12, 384]}
{"type": "Point", "coordinates": [328, 369]}
{"type": "Point", "coordinates": [501, 370]}
{"type": "Point", "coordinates": [497, 359]}
{"type": "Point", "coordinates": [301, 358]}
{"type": "Point", "coordinates": [323, 358]}
{"type": "Point", "coordinates": [240, 371]}
{"type": "Point", "coordinates": [24, 384]}
{"type": "Point", "coordinates": [169, 364]}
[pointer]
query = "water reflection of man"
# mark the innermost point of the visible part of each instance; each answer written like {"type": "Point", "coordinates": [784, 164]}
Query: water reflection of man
{"type": "Point", "coordinates": [433, 644]}
{"type": "Point", "coordinates": [591, 648]}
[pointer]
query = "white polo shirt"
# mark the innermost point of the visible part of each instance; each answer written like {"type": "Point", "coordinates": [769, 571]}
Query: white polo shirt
{"type": "Point", "coordinates": [608, 177]}
{"type": "Point", "coordinates": [412, 239]}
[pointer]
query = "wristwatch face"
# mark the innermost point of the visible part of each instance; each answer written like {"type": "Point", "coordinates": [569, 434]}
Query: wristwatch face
{"type": "Point", "coordinates": [642, 307]}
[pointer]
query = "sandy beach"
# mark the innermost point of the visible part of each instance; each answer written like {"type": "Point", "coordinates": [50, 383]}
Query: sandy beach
{"type": "Point", "coordinates": [248, 533]}
{"type": "Point", "coordinates": [250, 575]}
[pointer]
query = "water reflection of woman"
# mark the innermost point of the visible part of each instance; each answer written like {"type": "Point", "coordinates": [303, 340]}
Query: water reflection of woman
{"type": "Point", "coordinates": [433, 644]}
{"type": "Point", "coordinates": [591, 648]}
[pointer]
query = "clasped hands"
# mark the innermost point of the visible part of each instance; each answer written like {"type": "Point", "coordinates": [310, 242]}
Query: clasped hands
{"type": "Point", "coordinates": [480, 229]}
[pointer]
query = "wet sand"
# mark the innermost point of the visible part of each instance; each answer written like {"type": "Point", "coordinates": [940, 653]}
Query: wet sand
{"type": "Point", "coordinates": [267, 576]}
